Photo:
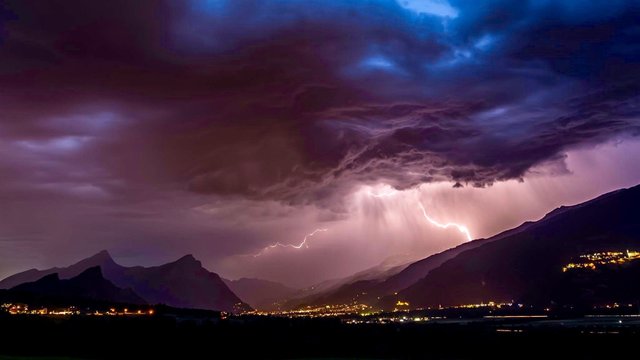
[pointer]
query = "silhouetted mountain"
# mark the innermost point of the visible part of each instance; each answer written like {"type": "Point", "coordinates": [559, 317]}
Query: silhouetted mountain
{"type": "Point", "coordinates": [89, 285]}
{"type": "Point", "coordinates": [183, 283]}
{"type": "Point", "coordinates": [261, 294]}
{"type": "Point", "coordinates": [419, 269]}
{"type": "Point", "coordinates": [369, 285]}
{"type": "Point", "coordinates": [526, 265]}
{"type": "Point", "coordinates": [390, 266]}
{"type": "Point", "coordinates": [102, 259]}
{"type": "Point", "coordinates": [337, 291]}
{"type": "Point", "coordinates": [386, 269]}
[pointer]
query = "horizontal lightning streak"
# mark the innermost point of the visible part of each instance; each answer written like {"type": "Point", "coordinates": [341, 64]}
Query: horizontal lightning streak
{"type": "Point", "coordinates": [299, 246]}
{"type": "Point", "coordinates": [461, 228]}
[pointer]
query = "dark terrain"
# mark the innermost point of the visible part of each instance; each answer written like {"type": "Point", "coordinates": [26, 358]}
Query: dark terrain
{"type": "Point", "coordinates": [526, 266]}
{"type": "Point", "coordinates": [281, 338]}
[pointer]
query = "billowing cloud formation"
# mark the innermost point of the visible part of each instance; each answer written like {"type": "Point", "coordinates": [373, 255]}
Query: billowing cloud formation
{"type": "Point", "coordinates": [127, 104]}
{"type": "Point", "coordinates": [295, 102]}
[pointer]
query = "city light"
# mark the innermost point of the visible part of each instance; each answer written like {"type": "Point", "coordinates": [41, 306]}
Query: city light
{"type": "Point", "coordinates": [593, 260]}
{"type": "Point", "coordinates": [26, 309]}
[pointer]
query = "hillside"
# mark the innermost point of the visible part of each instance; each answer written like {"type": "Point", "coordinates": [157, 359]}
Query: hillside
{"type": "Point", "coordinates": [526, 266]}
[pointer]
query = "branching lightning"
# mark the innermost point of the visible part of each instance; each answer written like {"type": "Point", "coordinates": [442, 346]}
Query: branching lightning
{"type": "Point", "coordinates": [463, 229]}
{"type": "Point", "coordinates": [389, 193]}
{"type": "Point", "coordinates": [293, 246]}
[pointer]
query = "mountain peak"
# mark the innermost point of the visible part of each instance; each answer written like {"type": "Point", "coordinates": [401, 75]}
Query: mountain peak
{"type": "Point", "coordinates": [101, 258]}
{"type": "Point", "coordinates": [188, 257]}
{"type": "Point", "coordinates": [188, 260]}
{"type": "Point", "coordinates": [103, 255]}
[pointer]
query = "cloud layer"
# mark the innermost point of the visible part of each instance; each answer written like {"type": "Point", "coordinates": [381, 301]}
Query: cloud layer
{"type": "Point", "coordinates": [294, 101]}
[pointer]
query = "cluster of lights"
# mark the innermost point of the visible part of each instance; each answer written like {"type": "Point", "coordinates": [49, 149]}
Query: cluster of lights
{"type": "Point", "coordinates": [391, 320]}
{"type": "Point", "coordinates": [124, 312]}
{"type": "Point", "coordinates": [592, 261]}
{"type": "Point", "coordinates": [321, 311]}
{"type": "Point", "coordinates": [615, 305]}
{"type": "Point", "coordinates": [490, 304]}
{"type": "Point", "coordinates": [360, 309]}
{"type": "Point", "coordinates": [25, 309]}
{"type": "Point", "coordinates": [401, 305]}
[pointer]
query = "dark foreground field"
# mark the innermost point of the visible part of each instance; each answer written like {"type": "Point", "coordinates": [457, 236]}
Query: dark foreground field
{"type": "Point", "coordinates": [265, 338]}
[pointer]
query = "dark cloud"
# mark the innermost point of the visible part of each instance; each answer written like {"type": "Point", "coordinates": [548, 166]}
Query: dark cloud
{"type": "Point", "coordinates": [299, 102]}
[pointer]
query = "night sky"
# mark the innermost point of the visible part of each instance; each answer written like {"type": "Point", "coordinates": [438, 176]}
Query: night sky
{"type": "Point", "coordinates": [218, 128]}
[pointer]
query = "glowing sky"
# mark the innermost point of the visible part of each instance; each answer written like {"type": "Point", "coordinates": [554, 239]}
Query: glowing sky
{"type": "Point", "coordinates": [223, 128]}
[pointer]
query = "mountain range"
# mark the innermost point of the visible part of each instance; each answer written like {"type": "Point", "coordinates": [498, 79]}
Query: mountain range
{"type": "Point", "coordinates": [527, 266]}
{"type": "Point", "coordinates": [183, 283]}
{"type": "Point", "coordinates": [88, 285]}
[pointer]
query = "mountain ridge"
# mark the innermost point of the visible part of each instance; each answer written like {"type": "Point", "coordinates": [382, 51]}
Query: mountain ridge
{"type": "Point", "coordinates": [527, 266]}
{"type": "Point", "coordinates": [182, 283]}
{"type": "Point", "coordinates": [89, 284]}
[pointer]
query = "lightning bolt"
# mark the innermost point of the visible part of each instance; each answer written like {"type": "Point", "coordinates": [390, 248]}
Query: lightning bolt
{"type": "Point", "coordinates": [299, 246]}
{"type": "Point", "coordinates": [463, 229]}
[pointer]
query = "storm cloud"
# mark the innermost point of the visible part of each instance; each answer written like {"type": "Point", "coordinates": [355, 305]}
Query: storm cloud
{"type": "Point", "coordinates": [293, 101]}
